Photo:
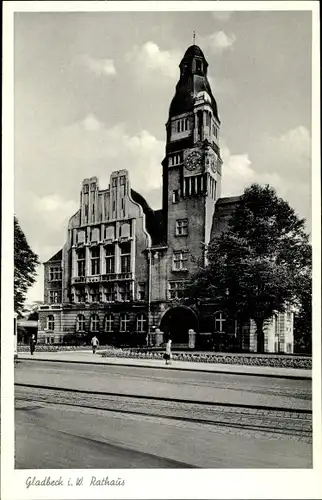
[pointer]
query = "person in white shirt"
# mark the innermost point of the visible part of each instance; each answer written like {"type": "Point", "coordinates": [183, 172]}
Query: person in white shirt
{"type": "Point", "coordinates": [95, 343]}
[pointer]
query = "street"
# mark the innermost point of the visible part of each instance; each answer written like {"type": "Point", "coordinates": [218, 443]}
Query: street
{"type": "Point", "coordinates": [131, 417]}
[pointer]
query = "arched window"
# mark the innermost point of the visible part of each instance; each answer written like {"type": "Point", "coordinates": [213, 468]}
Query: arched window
{"type": "Point", "coordinates": [108, 323]}
{"type": "Point", "coordinates": [141, 323]}
{"type": "Point", "coordinates": [124, 323]}
{"type": "Point", "coordinates": [51, 322]}
{"type": "Point", "coordinates": [95, 323]}
{"type": "Point", "coordinates": [219, 321]}
{"type": "Point", "coordinates": [80, 323]}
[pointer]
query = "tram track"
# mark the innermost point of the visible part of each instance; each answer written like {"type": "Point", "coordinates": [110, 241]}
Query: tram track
{"type": "Point", "coordinates": [256, 420]}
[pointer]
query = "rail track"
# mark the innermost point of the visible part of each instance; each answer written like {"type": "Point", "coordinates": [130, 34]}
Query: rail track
{"type": "Point", "coordinates": [257, 421]}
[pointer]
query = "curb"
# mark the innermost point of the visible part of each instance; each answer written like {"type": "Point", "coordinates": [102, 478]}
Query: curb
{"type": "Point", "coordinates": [177, 368]}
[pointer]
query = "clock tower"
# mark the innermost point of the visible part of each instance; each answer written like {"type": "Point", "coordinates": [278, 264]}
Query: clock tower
{"type": "Point", "coordinates": [192, 165]}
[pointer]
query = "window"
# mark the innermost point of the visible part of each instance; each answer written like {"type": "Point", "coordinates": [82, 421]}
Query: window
{"type": "Point", "coordinates": [80, 323]}
{"type": "Point", "coordinates": [55, 273]}
{"type": "Point", "coordinates": [95, 323]}
{"type": "Point", "coordinates": [176, 289]}
{"type": "Point", "coordinates": [122, 180]}
{"type": "Point", "coordinates": [108, 323]}
{"type": "Point", "coordinates": [85, 188]}
{"type": "Point", "coordinates": [141, 291]}
{"type": "Point", "coordinates": [124, 323]}
{"type": "Point", "coordinates": [289, 316]}
{"type": "Point", "coordinates": [141, 323]}
{"type": "Point", "coordinates": [80, 295]}
{"type": "Point", "coordinates": [114, 182]}
{"type": "Point", "coordinates": [110, 259]}
{"type": "Point", "coordinates": [51, 322]}
{"type": "Point", "coordinates": [125, 257]}
{"type": "Point", "coordinates": [198, 65]}
{"type": "Point", "coordinates": [193, 185]}
{"type": "Point", "coordinates": [219, 320]}
{"type": "Point", "coordinates": [175, 159]}
{"type": "Point", "coordinates": [175, 196]}
{"type": "Point", "coordinates": [54, 296]}
{"type": "Point", "coordinates": [95, 260]}
{"type": "Point", "coordinates": [181, 227]}
{"type": "Point", "coordinates": [124, 291]}
{"type": "Point", "coordinates": [94, 294]}
{"type": "Point", "coordinates": [180, 260]}
{"type": "Point", "coordinates": [81, 262]}
{"type": "Point", "coordinates": [181, 125]}
{"type": "Point", "coordinates": [109, 292]}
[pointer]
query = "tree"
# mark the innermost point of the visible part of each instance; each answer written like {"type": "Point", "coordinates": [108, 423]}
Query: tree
{"type": "Point", "coordinates": [256, 266]}
{"type": "Point", "coordinates": [25, 262]}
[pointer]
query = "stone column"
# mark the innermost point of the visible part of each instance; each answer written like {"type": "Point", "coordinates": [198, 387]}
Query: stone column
{"type": "Point", "coordinates": [158, 337]}
{"type": "Point", "coordinates": [192, 338]}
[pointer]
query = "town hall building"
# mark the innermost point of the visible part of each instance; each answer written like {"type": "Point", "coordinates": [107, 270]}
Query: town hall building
{"type": "Point", "coordinates": [123, 268]}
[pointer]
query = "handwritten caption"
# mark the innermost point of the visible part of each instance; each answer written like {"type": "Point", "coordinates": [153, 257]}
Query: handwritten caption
{"type": "Point", "coordinates": [78, 481]}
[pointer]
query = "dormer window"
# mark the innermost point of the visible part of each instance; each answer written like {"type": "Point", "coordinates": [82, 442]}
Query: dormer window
{"type": "Point", "coordinates": [198, 66]}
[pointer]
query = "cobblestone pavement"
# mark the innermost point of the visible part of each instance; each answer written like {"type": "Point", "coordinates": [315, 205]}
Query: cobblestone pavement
{"type": "Point", "coordinates": [249, 421]}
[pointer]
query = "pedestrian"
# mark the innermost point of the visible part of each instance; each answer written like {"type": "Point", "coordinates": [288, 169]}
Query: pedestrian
{"type": "Point", "coordinates": [167, 354]}
{"type": "Point", "coordinates": [32, 343]}
{"type": "Point", "coordinates": [95, 343]}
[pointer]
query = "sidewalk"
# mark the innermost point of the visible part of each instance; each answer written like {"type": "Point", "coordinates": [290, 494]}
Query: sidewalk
{"type": "Point", "coordinates": [89, 358]}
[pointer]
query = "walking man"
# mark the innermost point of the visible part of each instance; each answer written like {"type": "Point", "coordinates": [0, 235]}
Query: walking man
{"type": "Point", "coordinates": [32, 343]}
{"type": "Point", "coordinates": [95, 343]}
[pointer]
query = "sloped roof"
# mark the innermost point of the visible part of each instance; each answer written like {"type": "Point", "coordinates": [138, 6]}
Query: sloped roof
{"type": "Point", "coordinates": [154, 219]}
{"type": "Point", "coordinates": [56, 257]}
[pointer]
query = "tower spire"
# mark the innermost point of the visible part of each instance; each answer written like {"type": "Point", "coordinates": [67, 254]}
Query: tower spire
{"type": "Point", "coordinates": [193, 37]}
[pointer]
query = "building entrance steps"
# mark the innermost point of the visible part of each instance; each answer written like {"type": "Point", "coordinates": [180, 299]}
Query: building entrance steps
{"type": "Point", "coordinates": [86, 356]}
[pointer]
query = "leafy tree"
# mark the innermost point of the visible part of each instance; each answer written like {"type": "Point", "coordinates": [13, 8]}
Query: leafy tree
{"type": "Point", "coordinates": [256, 266]}
{"type": "Point", "coordinates": [25, 262]}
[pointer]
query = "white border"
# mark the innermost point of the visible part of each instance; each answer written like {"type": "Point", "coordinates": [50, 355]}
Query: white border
{"type": "Point", "coordinates": [203, 483]}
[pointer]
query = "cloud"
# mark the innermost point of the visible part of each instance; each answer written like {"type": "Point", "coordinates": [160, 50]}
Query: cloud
{"type": "Point", "coordinates": [91, 123]}
{"type": "Point", "coordinates": [222, 16]}
{"type": "Point", "coordinates": [219, 41]}
{"type": "Point", "coordinates": [99, 67]}
{"type": "Point", "coordinates": [47, 198]}
{"type": "Point", "coordinates": [149, 59]}
{"type": "Point", "coordinates": [282, 161]}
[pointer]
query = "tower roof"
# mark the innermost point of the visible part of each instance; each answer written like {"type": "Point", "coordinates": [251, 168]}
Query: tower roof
{"type": "Point", "coordinates": [193, 80]}
{"type": "Point", "coordinates": [193, 51]}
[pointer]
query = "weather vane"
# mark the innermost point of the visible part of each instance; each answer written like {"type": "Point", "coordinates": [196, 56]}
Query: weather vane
{"type": "Point", "coordinates": [194, 37]}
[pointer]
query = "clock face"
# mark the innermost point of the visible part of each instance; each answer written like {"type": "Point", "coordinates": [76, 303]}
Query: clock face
{"type": "Point", "coordinates": [213, 163]}
{"type": "Point", "coordinates": [193, 160]}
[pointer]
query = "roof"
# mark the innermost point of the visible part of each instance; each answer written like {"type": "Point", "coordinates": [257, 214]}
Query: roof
{"type": "Point", "coordinates": [193, 51]}
{"type": "Point", "coordinates": [56, 257]}
{"type": "Point", "coordinates": [153, 219]}
{"type": "Point", "coordinates": [190, 84]}
{"type": "Point", "coordinates": [228, 200]}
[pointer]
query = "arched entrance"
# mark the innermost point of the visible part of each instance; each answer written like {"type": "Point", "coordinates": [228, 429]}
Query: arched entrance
{"type": "Point", "coordinates": [176, 323]}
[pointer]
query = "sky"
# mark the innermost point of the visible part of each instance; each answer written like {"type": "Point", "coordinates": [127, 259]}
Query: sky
{"type": "Point", "coordinates": [92, 94]}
